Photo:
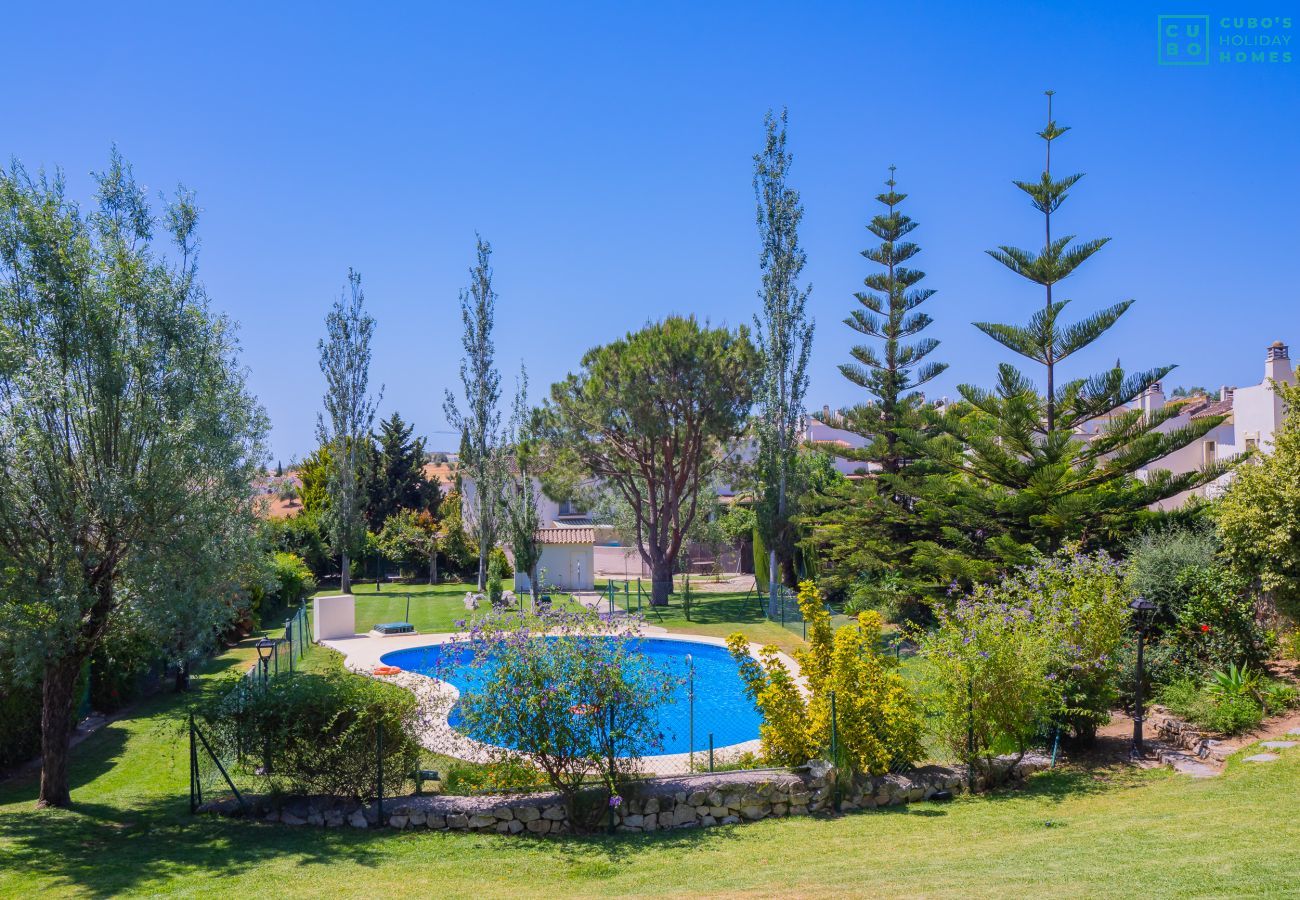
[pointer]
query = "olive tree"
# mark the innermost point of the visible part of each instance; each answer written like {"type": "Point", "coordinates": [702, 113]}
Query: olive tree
{"type": "Point", "coordinates": [128, 439]}
{"type": "Point", "coordinates": [652, 415]}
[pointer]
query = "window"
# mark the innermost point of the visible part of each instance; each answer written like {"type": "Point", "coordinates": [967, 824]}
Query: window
{"type": "Point", "coordinates": [1252, 444]}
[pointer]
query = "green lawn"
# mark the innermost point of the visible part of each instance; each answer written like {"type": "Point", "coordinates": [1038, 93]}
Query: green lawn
{"type": "Point", "coordinates": [1066, 835]}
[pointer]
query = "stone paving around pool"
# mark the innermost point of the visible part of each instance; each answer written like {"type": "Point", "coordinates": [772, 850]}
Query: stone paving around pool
{"type": "Point", "coordinates": [362, 654]}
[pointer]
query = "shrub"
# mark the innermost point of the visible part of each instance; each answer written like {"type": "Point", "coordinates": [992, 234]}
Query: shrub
{"type": "Point", "coordinates": [1229, 713]}
{"type": "Point", "coordinates": [1158, 559]}
{"type": "Point", "coordinates": [318, 733]}
{"type": "Point", "coordinates": [1216, 625]}
{"type": "Point", "coordinates": [877, 720]}
{"type": "Point", "coordinates": [494, 588]}
{"type": "Point", "coordinates": [293, 579]}
{"type": "Point", "coordinates": [20, 722]}
{"type": "Point", "coordinates": [569, 691]}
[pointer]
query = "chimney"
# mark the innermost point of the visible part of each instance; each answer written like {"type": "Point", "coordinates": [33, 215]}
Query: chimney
{"type": "Point", "coordinates": [1152, 399]}
{"type": "Point", "coordinates": [826, 414]}
{"type": "Point", "coordinates": [1225, 393]}
{"type": "Point", "coordinates": [1277, 362]}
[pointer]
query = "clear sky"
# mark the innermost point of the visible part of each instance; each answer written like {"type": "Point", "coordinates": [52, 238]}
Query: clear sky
{"type": "Point", "coordinates": [605, 150]}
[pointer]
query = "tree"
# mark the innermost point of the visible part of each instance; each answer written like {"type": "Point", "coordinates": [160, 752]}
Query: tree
{"type": "Point", "coordinates": [411, 535]}
{"type": "Point", "coordinates": [651, 415]}
{"type": "Point", "coordinates": [1258, 518]}
{"type": "Point", "coordinates": [1060, 484]}
{"type": "Point", "coordinates": [128, 439]}
{"type": "Point", "coordinates": [349, 414]}
{"type": "Point", "coordinates": [784, 337]}
{"type": "Point", "coordinates": [481, 457]}
{"type": "Point", "coordinates": [889, 315]}
{"type": "Point", "coordinates": [522, 513]}
{"type": "Point", "coordinates": [399, 481]}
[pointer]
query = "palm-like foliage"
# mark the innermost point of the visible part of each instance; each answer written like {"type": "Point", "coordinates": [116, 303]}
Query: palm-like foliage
{"type": "Point", "coordinates": [1065, 456]}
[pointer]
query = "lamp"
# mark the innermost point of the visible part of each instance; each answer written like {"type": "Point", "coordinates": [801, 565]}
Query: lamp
{"type": "Point", "coordinates": [1142, 610]}
{"type": "Point", "coordinates": [265, 647]}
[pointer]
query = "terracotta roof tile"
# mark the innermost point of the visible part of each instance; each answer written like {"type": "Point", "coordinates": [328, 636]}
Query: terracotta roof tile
{"type": "Point", "coordinates": [566, 535]}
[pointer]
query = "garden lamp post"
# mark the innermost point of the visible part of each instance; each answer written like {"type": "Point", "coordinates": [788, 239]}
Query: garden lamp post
{"type": "Point", "coordinates": [1142, 613]}
{"type": "Point", "coordinates": [265, 647]}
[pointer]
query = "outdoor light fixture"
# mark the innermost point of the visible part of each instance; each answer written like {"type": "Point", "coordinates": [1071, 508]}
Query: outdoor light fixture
{"type": "Point", "coordinates": [1142, 614]}
{"type": "Point", "coordinates": [265, 647]}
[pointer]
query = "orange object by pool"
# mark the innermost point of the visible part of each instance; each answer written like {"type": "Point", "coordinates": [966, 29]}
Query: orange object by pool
{"type": "Point", "coordinates": [386, 670]}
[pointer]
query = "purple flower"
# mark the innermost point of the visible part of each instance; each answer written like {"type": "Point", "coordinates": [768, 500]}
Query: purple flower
{"type": "Point", "coordinates": [615, 801]}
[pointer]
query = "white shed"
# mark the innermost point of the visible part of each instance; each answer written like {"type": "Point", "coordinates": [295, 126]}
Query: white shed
{"type": "Point", "coordinates": [568, 560]}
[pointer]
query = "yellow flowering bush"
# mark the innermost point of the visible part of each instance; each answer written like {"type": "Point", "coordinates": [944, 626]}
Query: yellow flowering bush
{"type": "Point", "coordinates": [877, 718]}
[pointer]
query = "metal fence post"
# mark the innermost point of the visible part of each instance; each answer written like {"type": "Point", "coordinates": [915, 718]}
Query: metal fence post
{"type": "Point", "coordinates": [379, 751]}
{"type": "Point", "coordinates": [690, 699]}
{"type": "Point", "coordinates": [835, 750]}
{"type": "Point", "coordinates": [710, 752]}
{"type": "Point", "coordinates": [194, 770]}
{"type": "Point", "coordinates": [970, 737]}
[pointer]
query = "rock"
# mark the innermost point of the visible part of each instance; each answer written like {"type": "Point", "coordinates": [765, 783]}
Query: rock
{"type": "Point", "coordinates": [514, 826]}
{"type": "Point", "coordinates": [697, 798]}
{"type": "Point", "coordinates": [539, 826]}
{"type": "Point", "coordinates": [634, 821]}
{"type": "Point", "coordinates": [715, 798]}
{"type": "Point", "coordinates": [652, 805]}
{"type": "Point", "coordinates": [503, 813]}
{"type": "Point", "coordinates": [799, 798]}
{"type": "Point", "coordinates": [730, 820]}
{"type": "Point", "coordinates": [417, 818]}
{"type": "Point", "coordinates": [1279, 745]}
{"type": "Point", "coordinates": [798, 810]}
{"type": "Point", "coordinates": [753, 813]}
{"type": "Point", "coordinates": [272, 816]}
{"type": "Point", "coordinates": [1294, 731]}
{"type": "Point", "coordinates": [481, 821]}
{"type": "Point", "coordinates": [680, 797]}
{"type": "Point", "coordinates": [778, 809]}
{"type": "Point", "coordinates": [1262, 757]}
{"type": "Point", "coordinates": [502, 827]}
{"type": "Point", "coordinates": [358, 820]}
{"type": "Point", "coordinates": [458, 821]}
{"type": "Point", "coordinates": [650, 822]}
{"type": "Point", "coordinates": [718, 811]}
{"type": "Point", "coordinates": [683, 815]}
{"type": "Point", "coordinates": [436, 822]}
{"type": "Point", "coordinates": [289, 818]}
{"type": "Point", "coordinates": [528, 814]}
{"type": "Point", "coordinates": [397, 821]}
{"type": "Point", "coordinates": [554, 813]}
{"type": "Point", "coordinates": [706, 821]}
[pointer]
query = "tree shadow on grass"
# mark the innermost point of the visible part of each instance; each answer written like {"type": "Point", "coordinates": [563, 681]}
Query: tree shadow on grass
{"type": "Point", "coordinates": [1058, 785]}
{"type": "Point", "coordinates": [105, 850]}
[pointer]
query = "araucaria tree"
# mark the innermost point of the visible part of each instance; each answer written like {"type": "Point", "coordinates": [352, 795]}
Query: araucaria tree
{"type": "Point", "coordinates": [889, 315]}
{"type": "Point", "coordinates": [399, 481]}
{"type": "Point", "coordinates": [1065, 456]}
{"type": "Point", "coordinates": [481, 458]}
{"type": "Point", "coordinates": [344, 426]}
{"type": "Point", "coordinates": [652, 415]}
{"type": "Point", "coordinates": [128, 439]}
{"type": "Point", "coordinates": [784, 335]}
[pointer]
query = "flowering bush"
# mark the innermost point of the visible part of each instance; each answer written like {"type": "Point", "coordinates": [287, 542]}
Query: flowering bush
{"type": "Point", "coordinates": [878, 725]}
{"type": "Point", "coordinates": [564, 692]}
{"type": "Point", "coordinates": [1039, 650]}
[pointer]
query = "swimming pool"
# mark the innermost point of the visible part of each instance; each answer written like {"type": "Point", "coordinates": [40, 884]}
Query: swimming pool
{"type": "Point", "coordinates": [721, 707]}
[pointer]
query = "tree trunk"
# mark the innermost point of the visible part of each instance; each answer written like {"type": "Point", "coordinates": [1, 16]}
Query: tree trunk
{"type": "Point", "coordinates": [773, 580]}
{"type": "Point", "coordinates": [345, 576]}
{"type": "Point", "coordinates": [433, 567]}
{"type": "Point", "coordinates": [182, 683]}
{"type": "Point", "coordinates": [789, 575]}
{"type": "Point", "coordinates": [532, 585]}
{"type": "Point", "coordinates": [482, 567]}
{"type": "Point", "coordinates": [661, 582]}
{"type": "Point", "coordinates": [57, 689]}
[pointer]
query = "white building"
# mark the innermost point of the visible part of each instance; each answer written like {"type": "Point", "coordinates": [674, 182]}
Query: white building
{"type": "Point", "coordinates": [568, 560]}
{"type": "Point", "coordinates": [1253, 413]}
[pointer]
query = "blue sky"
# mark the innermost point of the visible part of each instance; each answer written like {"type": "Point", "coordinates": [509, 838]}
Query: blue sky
{"type": "Point", "coordinates": [605, 150]}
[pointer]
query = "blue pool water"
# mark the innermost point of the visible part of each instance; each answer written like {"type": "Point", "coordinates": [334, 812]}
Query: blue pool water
{"type": "Point", "coordinates": [721, 706]}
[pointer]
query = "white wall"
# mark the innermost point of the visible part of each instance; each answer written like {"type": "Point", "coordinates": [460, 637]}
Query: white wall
{"type": "Point", "coordinates": [567, 567]}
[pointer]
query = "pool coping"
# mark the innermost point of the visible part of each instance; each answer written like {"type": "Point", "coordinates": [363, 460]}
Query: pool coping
{"type": "Point", "coordinates": [362, 653]}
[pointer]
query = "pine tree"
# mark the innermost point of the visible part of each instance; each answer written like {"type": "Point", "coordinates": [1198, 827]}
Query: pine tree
{"type": "Point", "coordinates": [889, 315]}
{"type": "Point", "coordinates": [399, 481]}
{"type": "Point", "coordinates": [1066, 456]}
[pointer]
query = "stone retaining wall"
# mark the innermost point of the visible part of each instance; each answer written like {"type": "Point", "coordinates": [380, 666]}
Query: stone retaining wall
{"type": "Point", "coordinates": [695, 801]}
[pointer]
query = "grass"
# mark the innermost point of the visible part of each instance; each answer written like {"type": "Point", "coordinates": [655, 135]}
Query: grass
{"type": "Point", "coordinates": [433, 608]}
{"type": "Point", "coordinates": [1075, 834]}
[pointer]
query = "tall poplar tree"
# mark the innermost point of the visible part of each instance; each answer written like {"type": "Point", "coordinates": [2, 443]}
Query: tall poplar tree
{"type": "Point", "coordinates": [481, 456]}
{"type": "Point", "coordinates": [522, 506]}
{"type": "Point", "coordinates": [1066, 456]}
{"type": "Point", "coordinates": [344, 426]}
{"type": "Point", "coordinates": [783, 334]}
